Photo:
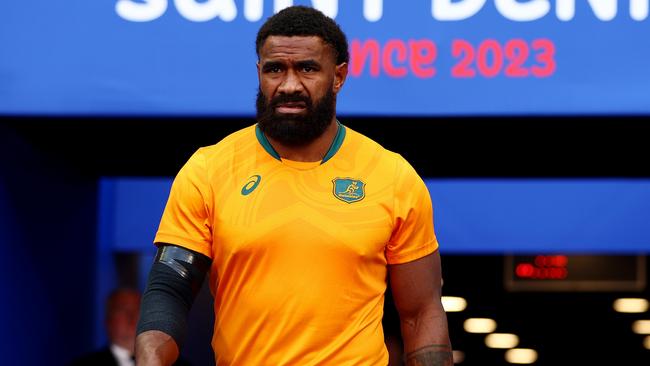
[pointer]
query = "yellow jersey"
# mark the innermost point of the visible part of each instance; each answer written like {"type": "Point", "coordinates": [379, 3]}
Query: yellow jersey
{"type": "Point", "coordinates": [299, 250]}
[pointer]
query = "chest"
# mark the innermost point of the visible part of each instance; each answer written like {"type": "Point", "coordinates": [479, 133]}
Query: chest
{"type": "Point", "coordinates": [283, 213]}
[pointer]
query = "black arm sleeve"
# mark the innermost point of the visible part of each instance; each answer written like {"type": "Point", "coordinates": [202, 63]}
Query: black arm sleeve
{"type": "Point", "coordinates": [174, 280]}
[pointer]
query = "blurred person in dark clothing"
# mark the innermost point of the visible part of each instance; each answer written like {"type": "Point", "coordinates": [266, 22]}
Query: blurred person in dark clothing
{"type": "Point", "coordinates": [122, 312]}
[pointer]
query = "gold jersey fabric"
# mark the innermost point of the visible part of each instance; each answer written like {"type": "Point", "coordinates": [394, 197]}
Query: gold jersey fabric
{"type": "Point", "coordinates": [300, 250]}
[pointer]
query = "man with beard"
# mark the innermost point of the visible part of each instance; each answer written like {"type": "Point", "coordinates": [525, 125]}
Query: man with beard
{"type": "Point", "coordinates": [300, 221]}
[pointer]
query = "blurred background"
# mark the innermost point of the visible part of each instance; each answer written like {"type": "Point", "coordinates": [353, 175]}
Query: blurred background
{"type": "Point", "coordinates": [528, 122]}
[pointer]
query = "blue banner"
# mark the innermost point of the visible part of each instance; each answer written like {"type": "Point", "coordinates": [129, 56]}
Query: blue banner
{"type": "Point", "coordinates": [415, 58]}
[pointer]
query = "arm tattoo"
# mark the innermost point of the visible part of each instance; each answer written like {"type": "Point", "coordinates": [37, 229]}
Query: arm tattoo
{"type": "Point", "coordinates": [432, 355]}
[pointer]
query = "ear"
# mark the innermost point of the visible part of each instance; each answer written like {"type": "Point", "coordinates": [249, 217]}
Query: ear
{"type": "Point", "coordinates": [340, 74]}
{"type": "Point", "coordinates": [257, 64]}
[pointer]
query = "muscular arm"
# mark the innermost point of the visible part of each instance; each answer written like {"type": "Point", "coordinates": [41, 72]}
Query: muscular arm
{"type": "Point", "coordinates": [174, 281]}
{"type": "Point", "coordinates": [155, 348]}
{"type": "Point", "coordinates": [416, 292]}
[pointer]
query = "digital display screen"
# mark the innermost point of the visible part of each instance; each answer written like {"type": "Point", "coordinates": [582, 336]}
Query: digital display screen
{"type": "Point", "coordinates": [561, 272]}
{"type": "Point", "coordinates": [424, 58]}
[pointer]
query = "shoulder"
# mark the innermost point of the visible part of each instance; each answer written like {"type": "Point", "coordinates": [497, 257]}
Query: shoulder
{"type": "Point", "coordinates": [231, 143]}
{"type": "Point", "coordinates": [366, 146]}
{"type": "Point", "coordinates": [218, 157]}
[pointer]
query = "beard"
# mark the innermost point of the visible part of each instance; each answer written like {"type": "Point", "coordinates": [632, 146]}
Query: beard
{"type": "Point", "coordinates": [295, 130]}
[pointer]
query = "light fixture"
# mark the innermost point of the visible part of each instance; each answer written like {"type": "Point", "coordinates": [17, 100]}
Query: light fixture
{"type": "Point", "coordinates": [631, 305]}
{"type": "Point", "coordinates": [521, 355]}
{"type": "Point", "coordinates": [459, 356]}
{"type": "Point", "coordinates": [501, 340]}
{"type": "Point", "coordinates": [479, 325]}
{"type": "Point", "coordinates": [453, 303]}
{"type": "Point", "coordinates": [641, 327]}
{"type": "Point", "coordinates": [646, 342]}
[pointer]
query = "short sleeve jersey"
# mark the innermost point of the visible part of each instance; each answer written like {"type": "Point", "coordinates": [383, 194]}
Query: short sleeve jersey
{"type": "Point", "coordinates": [299, 250]}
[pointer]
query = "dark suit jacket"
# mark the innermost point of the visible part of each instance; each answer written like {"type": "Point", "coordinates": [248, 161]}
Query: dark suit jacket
{"type": "Point", "coordinates": [104, 357]}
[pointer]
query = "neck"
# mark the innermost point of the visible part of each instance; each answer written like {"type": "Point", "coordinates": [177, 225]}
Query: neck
{"type": "Point", "coordinates": [314, 151]}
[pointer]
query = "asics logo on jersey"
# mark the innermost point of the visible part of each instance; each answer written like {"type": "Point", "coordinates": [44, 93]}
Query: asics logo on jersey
{"type": "Point", "coordinates": [349, 190]}
{"type": "Point", "coordinates": [250, 185]}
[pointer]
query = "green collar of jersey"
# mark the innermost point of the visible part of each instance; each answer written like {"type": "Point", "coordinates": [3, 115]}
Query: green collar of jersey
{"type": "Point", "coordinates": [336, 143]}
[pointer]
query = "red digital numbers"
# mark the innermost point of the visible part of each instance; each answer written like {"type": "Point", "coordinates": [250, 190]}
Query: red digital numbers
{"type": "Point", "coordinates": [491, 58]}
{"type": "Point", "coordinates": [544, 267]}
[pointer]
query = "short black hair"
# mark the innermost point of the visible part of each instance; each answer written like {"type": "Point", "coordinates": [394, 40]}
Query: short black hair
{"type": "Point", "coordinates": [305, 21]}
